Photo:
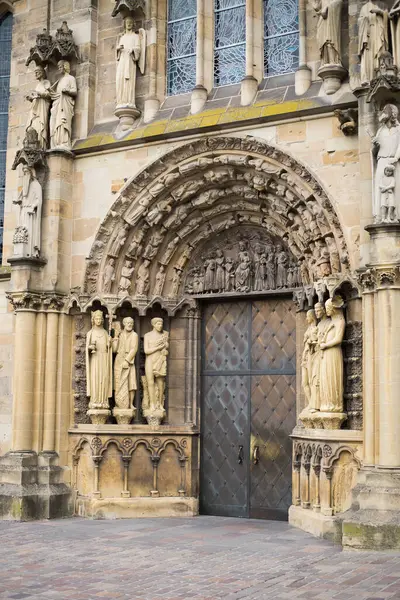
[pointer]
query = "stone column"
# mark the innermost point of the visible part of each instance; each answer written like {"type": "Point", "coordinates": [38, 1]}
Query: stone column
{"type": "Point", "coordinates": [24, 376]}
{"type": "Point", "coordinates": [249, 85]}
{"type": "Point", "coordinates": [152, 102]}
{"type": "Point", "coordinates": [50, 386]}
{"type": "Point", "coordinates": [374, 519]}
{"type": "Point", "coordinates": [303, 73]}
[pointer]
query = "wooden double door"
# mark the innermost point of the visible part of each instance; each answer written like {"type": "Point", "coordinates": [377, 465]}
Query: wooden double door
{"type": "Point", "coordinates": [248, 408]}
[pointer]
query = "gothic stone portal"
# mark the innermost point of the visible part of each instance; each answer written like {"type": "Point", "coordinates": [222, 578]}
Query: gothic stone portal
{"type": "Point", "coordinates": [248, 407]}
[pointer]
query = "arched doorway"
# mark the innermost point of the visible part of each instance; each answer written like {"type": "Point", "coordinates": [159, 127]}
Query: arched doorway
{"type": "Point", "coordinates": [221, 234]}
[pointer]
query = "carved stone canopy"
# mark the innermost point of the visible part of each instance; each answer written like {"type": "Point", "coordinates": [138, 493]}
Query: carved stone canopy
{"type": "Point", "coordinates": [125, 7]}
{"type": "Point", "coordinates": [31, 154]}
{"type": "Point", "coordinates": [52, 49]}
{"type": "Point", "coordinates": [153, 235]}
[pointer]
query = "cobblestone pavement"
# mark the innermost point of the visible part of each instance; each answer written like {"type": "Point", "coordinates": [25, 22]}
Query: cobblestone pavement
{"type": "Point", "coordinates": [206, 558]}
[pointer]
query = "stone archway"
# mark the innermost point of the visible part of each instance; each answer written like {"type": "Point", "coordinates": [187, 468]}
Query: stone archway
{"type": "Point", "coordinates": [159, 226]}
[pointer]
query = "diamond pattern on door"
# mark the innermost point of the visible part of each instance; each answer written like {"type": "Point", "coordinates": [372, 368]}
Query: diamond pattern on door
{"type": "Point", "coordinates": [248, 404]}
{"type": "Point", "coordinates": [273, 417]}
{"type": "Point", "coordinates": [226, 337]}
{"type": "Point", "coordinates": [273, 336]}
{"type": "Point", "coordinates": [225, 429]}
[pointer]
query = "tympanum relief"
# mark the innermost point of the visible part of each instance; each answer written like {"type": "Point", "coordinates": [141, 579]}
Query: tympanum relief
{"type": "Point", "coordinates": [322, 366]}
{"type": "Point", "coordinates": [165, 216]}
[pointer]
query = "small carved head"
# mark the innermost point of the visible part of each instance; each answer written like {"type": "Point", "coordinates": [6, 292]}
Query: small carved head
{"type": "Point", "coordinates": [128, 323]}
{"type": "Point", "coordinates": [311, 317]}
{"type": "Point", "coordinates": [319, 310]}
{"type": "Point", "coordinates": [389, 114]}
{"type": "Point", "coordinates": [97, 318]}
{"type": "Point", "coordinates": [63, 66]}
{"type": "Point", "coordinates": [129, 23]}
{"type": "Point", "coordinates": [40, 72]}
{"type": "Point", "coordinates": [333, 305]}
{"type": "Point", "coordinates": [157, 324]}
{"type": "Point", "coordinates": [389, 170]}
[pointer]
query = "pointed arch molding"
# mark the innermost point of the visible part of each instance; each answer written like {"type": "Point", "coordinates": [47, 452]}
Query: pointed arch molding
{"type": "Point", "coordinates": [168, 217]}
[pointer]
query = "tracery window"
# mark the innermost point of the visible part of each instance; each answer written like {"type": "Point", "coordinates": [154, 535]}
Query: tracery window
{"type": "Point", "coordinates": [230, 41]}
{"type": "Point", "coordinates": [5, 68]}
{"type": "Point", "coordinates": [281, 36]}
{"type": "Point", "coordinates": [181, 46]}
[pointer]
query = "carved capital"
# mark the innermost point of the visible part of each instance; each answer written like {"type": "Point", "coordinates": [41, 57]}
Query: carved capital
{"type": "Point", "coordinates": [367, 280]}
{"type": "Point", "coordinates": [387, 277]}
{"type": "Point", "coordinates": [24, 300]}
{"type": "Point", "coordinates": [54, 302]}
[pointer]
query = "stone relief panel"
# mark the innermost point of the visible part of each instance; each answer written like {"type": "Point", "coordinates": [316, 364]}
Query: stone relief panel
{"type": "Point", "coordinates": [149, 240]}
{"type": "Point", "coordinates": [242, 260]}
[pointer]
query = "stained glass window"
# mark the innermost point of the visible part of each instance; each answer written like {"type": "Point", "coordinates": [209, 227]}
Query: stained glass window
{"type": "Point", "coordinates": [181, 46]}
{"type": "Point", "coordinates": [281, 36]}
{"type": "Point", "coordinates": [5, 68]}
{"type": "Point", "coordinates": [230, 41]}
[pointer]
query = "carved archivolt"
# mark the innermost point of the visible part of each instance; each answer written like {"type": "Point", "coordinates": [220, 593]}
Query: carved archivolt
{"type": "Point", "coordinates": [156, 235]}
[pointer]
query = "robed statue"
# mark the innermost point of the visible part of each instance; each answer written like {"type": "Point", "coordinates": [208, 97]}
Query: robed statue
{"type": "Point", "coordinates": [30, 203]}
{"type": "Point", "coordinates": [131, 53]}
{"type": "Point", "coordinates": [98, 364]}
{"type": "Point", "coordinates": [329, 30]}
{"type": "Point", "coordinates": [373, 39]}
{"type": "Point", "coordinates": [39, 112]}
{"type": "Point", "coordinates": [125, 346]}
{"type": "Point", "coordinates": [63, 93]}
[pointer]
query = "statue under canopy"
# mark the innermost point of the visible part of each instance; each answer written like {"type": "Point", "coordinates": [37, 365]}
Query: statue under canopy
{"type": "Point", "coordinates": [131, 53]}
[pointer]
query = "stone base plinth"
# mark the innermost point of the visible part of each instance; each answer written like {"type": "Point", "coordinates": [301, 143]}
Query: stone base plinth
{"type": "Point", "coordinates": [124, 415]}
{"type": "Point", "coordinates": [332, 76]}
{"type": "Point", "coordinates": [98, 416]}
{"type": "Point", "coordinates": [322, 420]}
{"type": "Point", "coordinates": [130, 508]}
{"type": "Point", "coordinates": [31, 487]}
{"type": "Point", "coordinates": [385, 243]}
{"type": "Point", "coordinates": [326, 527]}
{"type": "Point", "coordinates": [373, 521]}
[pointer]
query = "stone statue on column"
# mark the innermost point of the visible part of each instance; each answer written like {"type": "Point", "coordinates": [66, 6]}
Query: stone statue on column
{"type": "Point", "coordinates": [373, 39]}
{"type": "Point", "coordinates": [125, 346]}
{"type": "Point", "coordinates": [156, 344]}
{"type": "Point", "coordinates": [27, 236]}
{"type": "Point", "coordinates": [331, 376]}
{"type": "Point", "coordinates": [329, 43]}
{"type": "Point", "coordinates": [39, 112]}
{"type": "Point", "coordinates": [386, 149]}
{"type": "Point", "coordinates": [63, 93]}
{"type": "Point", "coordinates": [394, 16]}
{"type": "Point", "coordinates": [98, 369]}
{"type": "Point", "coordinates": [309, 343]}
{"type": "Point", "coordinates": [131, 53]}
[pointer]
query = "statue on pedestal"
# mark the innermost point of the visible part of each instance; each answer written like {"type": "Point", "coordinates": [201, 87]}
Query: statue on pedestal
{"type": "Point", "coordinates": [331, 377]}
{"type": "Point", "coordinates": [27, 236]}
{"type": "Point", "coordinates": [329, 30]}
{"type": "Point", "coordinates": [309, 343]}
{"type": "Point", "coordinates": [98, 369]}
{"type": "Point", "coordinates": [40, 107]}
{"type": "Point", "coordinates": [63, 93]}
{"type": "Point", "coordinates": [125, 346]}
{"type": "Point", "coordinates": [386, 149]}
{"type": "Point", "coordinates": [131, 52]}
{"type": "Point", "coordinates": [373, 39]}
{"type": "Point", "coordinates": [156, 344]}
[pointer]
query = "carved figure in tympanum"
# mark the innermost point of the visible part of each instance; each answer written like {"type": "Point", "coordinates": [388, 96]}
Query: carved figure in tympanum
{"type": "Point", "coordinates": [229, 274]}
{"type": "Point", "coordinates": [119, 241]}
{"type": "Point", "coordinates": [108, 276]}
{"type": "Point", "coordinates": [125, 281]}
{"type": "Point", "coordinates": [159, 282]}
{"type": "Point", "coordinates": [243, 269]}
{"type": "Point", "coordinates": [143, 278]}
{"type": "Point", "coordinates": [281, 267]}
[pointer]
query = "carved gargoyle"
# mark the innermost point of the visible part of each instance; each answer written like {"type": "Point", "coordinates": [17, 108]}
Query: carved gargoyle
{"type": "Point", "coordinates": [348, 119]}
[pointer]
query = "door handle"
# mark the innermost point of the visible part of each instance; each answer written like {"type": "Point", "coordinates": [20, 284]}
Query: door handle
{"type": "Point", "coordinates": [256, 455]}
{"type": "Point", "coordinates": [240, 455]}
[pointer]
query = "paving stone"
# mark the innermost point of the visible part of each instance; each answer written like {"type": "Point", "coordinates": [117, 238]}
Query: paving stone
{"type": "Point", "coordinates": [207, 558]}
